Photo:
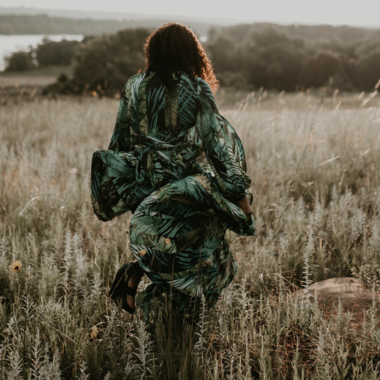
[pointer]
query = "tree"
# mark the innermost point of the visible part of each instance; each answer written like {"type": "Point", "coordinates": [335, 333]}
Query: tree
{"type": "Point", "coordinates": [276, 66]}
{"type": "Point", "coordinates": [369, 70]}
{"type": "Point", "coordinates": [19, 61]}
{"type": "Point", "coordinates": [56, 53]}
{"type": "Point", "coordinates": [223, 54]}
{"type": "Point", "coordinates": [266, 58]}
{"type": "Point", "coordinates": [325, 66]}
{"type": "Point", "coordinates": [368, 63]}
{"type": "Point", "coordinates": [104, 64]}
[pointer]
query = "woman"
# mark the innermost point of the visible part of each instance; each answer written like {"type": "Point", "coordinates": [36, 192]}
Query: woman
{"type": "Point", "coordinates": [179, 166]}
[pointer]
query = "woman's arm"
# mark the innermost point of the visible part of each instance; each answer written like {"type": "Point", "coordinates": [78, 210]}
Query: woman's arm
{"type": "Point", "coordinates": [120, 140]}
{"type": "Point", "coordinates": [223, 149]}
{"type": "Point", "coordinates": [246, 207]}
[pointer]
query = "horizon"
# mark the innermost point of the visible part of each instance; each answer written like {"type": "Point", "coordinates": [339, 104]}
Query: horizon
{"type": "Point", "coordinates": [298, 12]}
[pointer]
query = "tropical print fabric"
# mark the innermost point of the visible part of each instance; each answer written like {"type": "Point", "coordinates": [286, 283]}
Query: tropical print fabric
{"type": "Point", "coordinates": [179, 166]}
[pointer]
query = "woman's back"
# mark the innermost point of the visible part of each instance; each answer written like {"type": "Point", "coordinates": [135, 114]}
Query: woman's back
{"type": "Point", "coordinates": [164, 112]}
{"type": "Point", "coordinates": [150, 108]}
{"type": "Point", "coordinates": [176, 131]}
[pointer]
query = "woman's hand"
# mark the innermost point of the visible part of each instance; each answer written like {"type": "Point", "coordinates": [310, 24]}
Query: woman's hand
{"type": "Point", "coordinates": [246, 207]}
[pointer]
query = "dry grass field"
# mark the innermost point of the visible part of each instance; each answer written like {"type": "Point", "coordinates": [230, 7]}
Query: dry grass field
{"type": "Point", "coordinates": [314, 163]}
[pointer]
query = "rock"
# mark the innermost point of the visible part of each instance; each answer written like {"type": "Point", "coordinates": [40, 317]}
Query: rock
{"type": "Point", "coordinates": [352, 294]}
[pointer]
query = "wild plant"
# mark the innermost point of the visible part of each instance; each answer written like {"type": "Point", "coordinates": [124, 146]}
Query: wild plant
{"type": "Point", "coordinates": [316, 198]}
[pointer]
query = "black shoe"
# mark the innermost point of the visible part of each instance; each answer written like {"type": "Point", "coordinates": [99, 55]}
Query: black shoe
{"type": "Point", "coordinates": [119, 288]}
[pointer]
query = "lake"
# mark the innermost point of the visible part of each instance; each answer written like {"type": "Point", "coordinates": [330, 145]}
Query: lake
{"type": "Point", "coordinates": [12, 43]}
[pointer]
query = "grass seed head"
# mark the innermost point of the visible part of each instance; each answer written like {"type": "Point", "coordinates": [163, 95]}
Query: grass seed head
{"type": "Point", "coordinates": [94, 332]}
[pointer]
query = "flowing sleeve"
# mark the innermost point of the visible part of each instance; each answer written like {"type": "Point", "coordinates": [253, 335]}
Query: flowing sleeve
{"type": "Point", "coordinates": [222, 146]}
{"type": "Point", "coordinates": [113, 171]}
{"type": "Point", "coordinates": [120, 140]}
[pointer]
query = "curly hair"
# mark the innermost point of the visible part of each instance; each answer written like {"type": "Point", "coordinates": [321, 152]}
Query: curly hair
{"type": "Point", "coordinates": [173, 48]}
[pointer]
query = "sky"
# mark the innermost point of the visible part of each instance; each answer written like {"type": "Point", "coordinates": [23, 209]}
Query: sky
{"type": "Point", "coordinates": [336, 12]}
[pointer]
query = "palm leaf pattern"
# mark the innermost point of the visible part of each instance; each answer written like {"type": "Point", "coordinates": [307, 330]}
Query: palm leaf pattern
{"type": "Point", "coordinates": [179, 166]}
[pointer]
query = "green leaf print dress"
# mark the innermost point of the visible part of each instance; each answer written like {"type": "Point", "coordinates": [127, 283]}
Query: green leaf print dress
{"type": "Point", "coordinates": [179, 166]}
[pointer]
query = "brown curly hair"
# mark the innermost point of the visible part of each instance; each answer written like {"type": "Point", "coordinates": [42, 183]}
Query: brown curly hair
{"type": "Point", "coordinates": [174, 47]}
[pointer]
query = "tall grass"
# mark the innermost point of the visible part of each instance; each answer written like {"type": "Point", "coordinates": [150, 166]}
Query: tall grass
{"type": "Point", "coordinates": [316, 188]}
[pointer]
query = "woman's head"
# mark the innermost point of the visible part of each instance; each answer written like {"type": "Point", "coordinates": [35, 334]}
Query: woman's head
{"type": "Point", "coordinates": [174, 47]}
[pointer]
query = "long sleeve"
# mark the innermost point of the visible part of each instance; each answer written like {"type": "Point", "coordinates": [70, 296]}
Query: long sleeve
{"type": "Point", "coordinates": [120, 140]}
{"type": "Point", "coordinates": [222, 146]}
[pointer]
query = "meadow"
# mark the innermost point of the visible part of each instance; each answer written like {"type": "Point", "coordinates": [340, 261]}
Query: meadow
{"type": "Point", "coordinates": [314, 163]}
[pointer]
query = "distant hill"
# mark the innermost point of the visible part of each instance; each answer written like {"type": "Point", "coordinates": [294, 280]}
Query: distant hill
{"type": "Point", "coordinates": [23, 20]}
{"type": "Point", "coordinates": [73, 14]}
{"type": "Point", "coordinates": [121, 16]}
{"type": "Point", "coordinates": [43, 24]}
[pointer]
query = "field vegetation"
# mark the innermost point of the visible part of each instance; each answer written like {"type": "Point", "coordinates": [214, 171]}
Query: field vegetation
{"type": "Point", "coordinates": [316, 187]}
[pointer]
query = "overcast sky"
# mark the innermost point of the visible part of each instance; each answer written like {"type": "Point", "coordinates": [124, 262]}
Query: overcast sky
{"type": "Point", "coordinates": [351, 12]}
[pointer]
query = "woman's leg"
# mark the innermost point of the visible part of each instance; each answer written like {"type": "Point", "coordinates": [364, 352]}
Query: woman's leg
{"type": "Point", "coordinates": [133, 282]}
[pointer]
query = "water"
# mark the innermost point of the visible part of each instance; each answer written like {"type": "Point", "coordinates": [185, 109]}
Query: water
{"type": "Point", "coordinates": [12, 43]}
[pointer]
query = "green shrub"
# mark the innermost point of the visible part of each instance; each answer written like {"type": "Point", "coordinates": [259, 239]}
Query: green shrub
{"type": "Point", "coordinates": [19, 61]}
{"type": "Point", "coordinates": [55, 53]}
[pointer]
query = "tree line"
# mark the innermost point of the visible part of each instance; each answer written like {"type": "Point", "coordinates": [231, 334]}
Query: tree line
{"type": "Point", "coordinates": [271, 56]}
{"type": "Point", "coordinates": [291, 58]}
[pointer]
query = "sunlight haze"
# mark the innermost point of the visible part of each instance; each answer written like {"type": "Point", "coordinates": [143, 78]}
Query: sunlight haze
{"type": "Point", "coordinates": [336, 12]}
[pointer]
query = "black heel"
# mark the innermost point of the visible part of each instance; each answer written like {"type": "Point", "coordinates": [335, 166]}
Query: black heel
{"type": "Point", "coordinates": [119, 288]}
